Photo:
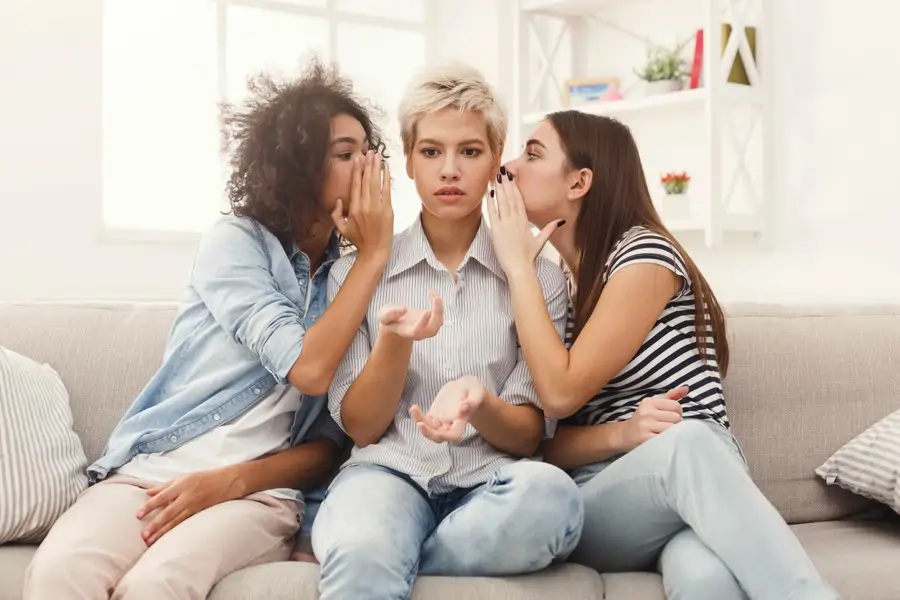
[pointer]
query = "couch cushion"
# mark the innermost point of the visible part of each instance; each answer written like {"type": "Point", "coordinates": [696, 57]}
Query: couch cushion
{"type": "Point", "coordinates": [299, 581]}
{"type": "Point", "coordinates": [858, 558]}
{"type": "Point", "coordinates": [42, 459]}
{"type": "Point", "coordinates": [104, 353]}
{"type": "Point", "coordinates": [633, 586]}
{"type": "Point", "coordinates": [14, 560]}
{"type": "Point", "coordinates": [867, 464]}
{"type": "Point", "coordinates": [803, 382]}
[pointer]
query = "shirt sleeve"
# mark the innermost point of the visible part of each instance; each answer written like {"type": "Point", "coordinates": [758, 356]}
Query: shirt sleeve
{"type": "Point", "coordinates": [360, 348]}
{"type": "Point", "coordinates": [231, 275]}
{"type": "Point", "coordinates": [647, 247]}
{"type": "Point", "coordinates": [519, 388]}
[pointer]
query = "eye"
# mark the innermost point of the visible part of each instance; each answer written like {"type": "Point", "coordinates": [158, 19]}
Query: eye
{"type": "Point", "coordinates": [472, 152]}
{"type": "Point", "coordinates": [345, 155]}
{"type": "Point", "coordinates": [531, 155]}
{"type": "Point", "coordinates": [429, 152]}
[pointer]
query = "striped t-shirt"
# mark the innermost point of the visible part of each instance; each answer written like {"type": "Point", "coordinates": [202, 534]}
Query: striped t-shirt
{"type": "Point", "coordinates": [669, 356]}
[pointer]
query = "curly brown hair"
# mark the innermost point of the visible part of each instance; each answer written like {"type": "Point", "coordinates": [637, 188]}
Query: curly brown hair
{"type": "Point", "coordinates": [277, 140]}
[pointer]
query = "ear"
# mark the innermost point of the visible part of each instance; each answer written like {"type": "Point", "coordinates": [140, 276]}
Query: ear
{"type": "Point", "coordinates": [580, 183]}
{"type": "Point", "coordinates": [409, 167]}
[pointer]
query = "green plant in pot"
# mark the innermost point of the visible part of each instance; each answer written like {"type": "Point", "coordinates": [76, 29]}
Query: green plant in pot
{"type": "Point", "coordinates": [665, 69]}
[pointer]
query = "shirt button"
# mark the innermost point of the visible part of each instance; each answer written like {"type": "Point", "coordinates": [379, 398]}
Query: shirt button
{"type": "Point", "coordinates": [216, 417]}
{"type": "Point", "coordinates": [255, 390]}
{"type": "Point", "coordinates": [173, 439]}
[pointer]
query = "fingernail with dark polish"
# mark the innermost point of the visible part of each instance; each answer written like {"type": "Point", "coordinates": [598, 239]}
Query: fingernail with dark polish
{"type": "Point", "coordinates": [561, 222]}
{"type": "Point", "coordinates": [503, 170]}
{"type": "Point", "coordinates": [499, 180]}
{"type": "Point", "coordinates": [508, 174]}
{"type": "Point", "coordinates": [492, 193]}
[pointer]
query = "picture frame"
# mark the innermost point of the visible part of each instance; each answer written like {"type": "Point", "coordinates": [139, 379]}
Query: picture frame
{"type": "Point", "coordinates": [587, 90]}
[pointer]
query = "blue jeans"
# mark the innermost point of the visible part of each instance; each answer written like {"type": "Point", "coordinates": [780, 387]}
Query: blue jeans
{"type": "Point", "coordinates": [683, 503]}
{"type": "Point", "coordinates": [376, 529]}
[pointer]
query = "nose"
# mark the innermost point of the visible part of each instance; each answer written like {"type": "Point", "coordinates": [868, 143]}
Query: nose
{"type": "Point", "coordinates": [450, 168]}
{"type": "Point", "coordinates": [512, 166]}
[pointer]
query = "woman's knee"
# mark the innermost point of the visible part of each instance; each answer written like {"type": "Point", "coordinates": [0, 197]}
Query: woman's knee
{"type": "Point", "coordinates": [546, 501]}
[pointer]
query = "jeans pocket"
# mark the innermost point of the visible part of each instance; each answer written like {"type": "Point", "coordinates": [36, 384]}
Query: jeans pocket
{"type": "Point", "coordinates": [737, 446]}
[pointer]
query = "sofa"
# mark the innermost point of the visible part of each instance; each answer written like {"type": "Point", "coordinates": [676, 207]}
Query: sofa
{"type": "Point", "coordinates": [804, 381]}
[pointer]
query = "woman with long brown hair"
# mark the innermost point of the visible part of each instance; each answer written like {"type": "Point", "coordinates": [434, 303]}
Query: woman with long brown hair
{"type": "Point", "coordinates": [636, 389]}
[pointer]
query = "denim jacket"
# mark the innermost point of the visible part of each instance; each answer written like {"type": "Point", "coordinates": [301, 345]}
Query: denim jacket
{"type": "Point", "coordinates": [239, 330]}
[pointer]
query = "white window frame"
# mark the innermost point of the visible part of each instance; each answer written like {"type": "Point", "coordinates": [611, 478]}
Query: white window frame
{"type": "Point", "coordinates": [427, 27]}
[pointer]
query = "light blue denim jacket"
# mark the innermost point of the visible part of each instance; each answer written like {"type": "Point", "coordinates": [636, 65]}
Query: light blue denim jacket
{"type": "Point", "coordinates": [239, 330]}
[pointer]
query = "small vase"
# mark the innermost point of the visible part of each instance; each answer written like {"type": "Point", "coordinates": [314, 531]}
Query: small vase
{"type": "Point", "coordinates": [663, 86]}
{"type": "Point", "coordinates": [677, 205]}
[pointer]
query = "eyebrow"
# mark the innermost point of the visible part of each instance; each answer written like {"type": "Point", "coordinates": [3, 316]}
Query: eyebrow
{"type": "Point", "coordinates": [470, 142]}
{"type": "Point", "coordinates": [535, 142]}
{"type": "Point", "coordinates": [346, 139]}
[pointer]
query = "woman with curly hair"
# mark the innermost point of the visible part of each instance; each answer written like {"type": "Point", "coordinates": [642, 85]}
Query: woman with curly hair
{"type": "Point", "coordinates": [206, 471]}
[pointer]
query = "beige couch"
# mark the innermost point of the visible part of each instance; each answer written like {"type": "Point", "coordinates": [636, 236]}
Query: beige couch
{"type": "Point", "coordinates": [803, 382]}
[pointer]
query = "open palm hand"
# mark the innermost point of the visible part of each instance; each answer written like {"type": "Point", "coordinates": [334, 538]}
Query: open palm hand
{"type": "Point", "coordinates": [412, 323]}
{"type": "Point", "coordinates": [451, 410]}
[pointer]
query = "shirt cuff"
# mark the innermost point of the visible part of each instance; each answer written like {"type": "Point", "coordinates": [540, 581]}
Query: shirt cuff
{"type": "Point", "coordinates": [282, 349]}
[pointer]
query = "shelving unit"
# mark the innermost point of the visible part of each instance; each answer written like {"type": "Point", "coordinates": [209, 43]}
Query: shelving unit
{"type": "Point", "coordinates": [556, 40]}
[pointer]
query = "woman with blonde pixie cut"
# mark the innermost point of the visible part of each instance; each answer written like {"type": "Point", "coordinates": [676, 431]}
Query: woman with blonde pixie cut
{"type": "Point", "coordinates": [439, 401]}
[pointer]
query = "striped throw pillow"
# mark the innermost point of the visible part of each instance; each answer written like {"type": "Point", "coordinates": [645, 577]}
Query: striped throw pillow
{"type": "Point", "coordinates": [42, 462]}
{"type": "Point", "coordinates": [868, 464]}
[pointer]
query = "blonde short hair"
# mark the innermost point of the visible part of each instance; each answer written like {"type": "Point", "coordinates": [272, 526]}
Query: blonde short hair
{"type": "Point", "coordinates": [453, 85]}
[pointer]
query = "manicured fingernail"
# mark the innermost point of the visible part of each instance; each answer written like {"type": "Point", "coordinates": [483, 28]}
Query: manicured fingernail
{"type": "Point", "coordinates": [561, 222]}
{"type": "Point", "coordinates": [492, 193]}
{"type": "Point", "coordinates": [503, 170]}
{"type": "Point", "coordinates": [509, 175]}
{"type": "Point", "coordinates": [499, 179]}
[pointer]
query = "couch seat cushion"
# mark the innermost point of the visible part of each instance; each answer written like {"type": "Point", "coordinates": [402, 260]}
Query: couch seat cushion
{"type": "Point", "coordinates": [14, 560]}
{"type": "Point", "coordinates": [299, 581]}
{"type": "Point", "coordinates": [858, 558]}
{"type": "Point", "coordinates": [628, 586]}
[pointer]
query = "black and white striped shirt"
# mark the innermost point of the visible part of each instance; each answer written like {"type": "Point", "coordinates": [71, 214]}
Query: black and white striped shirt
{"type": "Point", "coordinates": [478, 338]}
{"type": "Point", "coordinates": [669, 356]}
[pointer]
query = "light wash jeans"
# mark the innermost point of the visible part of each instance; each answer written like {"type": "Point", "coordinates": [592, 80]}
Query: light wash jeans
{"type": "Point", "coordinates": [376, 529]}
{"type": "Point", "coordinates": [683, 503]}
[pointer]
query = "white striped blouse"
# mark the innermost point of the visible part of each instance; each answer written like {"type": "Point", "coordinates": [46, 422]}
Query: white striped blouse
{"type": "Point", "coordinates": [478, 338]}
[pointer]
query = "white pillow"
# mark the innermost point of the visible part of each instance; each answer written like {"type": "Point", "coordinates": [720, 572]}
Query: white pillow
{"type": "Point", "coordinates": [42, 462]}
{"type": "Point", "coordinates": [868, 464]}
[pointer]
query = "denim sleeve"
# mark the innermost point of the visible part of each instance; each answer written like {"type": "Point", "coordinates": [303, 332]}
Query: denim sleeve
{"type": "Point", "coordinates": [519, 387]}
{"type": "Point", "coordinates": [231, 275]}
{"type": "Point", "coordinates": [358, 353]}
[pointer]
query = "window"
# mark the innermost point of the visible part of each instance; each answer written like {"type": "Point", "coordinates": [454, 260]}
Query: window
{"type": "Point", "coordinates": [167, 64]}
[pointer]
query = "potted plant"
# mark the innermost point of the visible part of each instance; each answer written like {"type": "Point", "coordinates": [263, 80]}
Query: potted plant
{"type": "Point", "coordinates": [664, 70]}
{"type": "Point", "coordinates": [676, 185]}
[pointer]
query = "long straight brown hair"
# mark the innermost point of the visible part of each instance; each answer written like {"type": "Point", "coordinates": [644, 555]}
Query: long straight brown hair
{"type": "Point", "coordinates": [617, 201]}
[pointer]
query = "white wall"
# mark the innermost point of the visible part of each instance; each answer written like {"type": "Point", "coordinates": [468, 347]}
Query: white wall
{"type": "Point", "coordinates": [837, 148]}
{"type": "Point", "coordinates": [837, 124]}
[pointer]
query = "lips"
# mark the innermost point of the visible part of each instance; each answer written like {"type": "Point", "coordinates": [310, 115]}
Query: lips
{"type": "Point", "coordinates": [449, 194]}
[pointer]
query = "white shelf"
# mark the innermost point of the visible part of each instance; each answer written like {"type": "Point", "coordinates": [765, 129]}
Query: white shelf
{"type": "Point", "coordinates": [560, 40]}
{"type": "Point", "coordinates": [567, 8]}
{"type": "Point", "coordinates": [696, 97]}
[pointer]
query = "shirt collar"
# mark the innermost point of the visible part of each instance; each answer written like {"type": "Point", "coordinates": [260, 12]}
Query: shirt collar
{"type": "Point", "coordinates": [332, 250]}
{"type": "Point", "coordinates": [413, 247]}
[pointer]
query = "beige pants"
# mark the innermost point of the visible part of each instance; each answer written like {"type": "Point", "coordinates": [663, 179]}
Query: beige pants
{"type": "Point", "coordinates": [95, 550]}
